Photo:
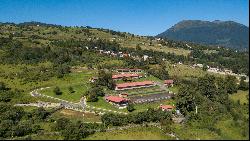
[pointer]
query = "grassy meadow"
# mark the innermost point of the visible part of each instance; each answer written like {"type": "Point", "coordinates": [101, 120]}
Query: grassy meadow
{"type": "Point", "coordinates": [137, 133]}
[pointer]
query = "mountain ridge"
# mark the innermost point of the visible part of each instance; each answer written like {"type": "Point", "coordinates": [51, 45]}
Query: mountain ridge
{"type": "Point", "coordinates": [221, 33]}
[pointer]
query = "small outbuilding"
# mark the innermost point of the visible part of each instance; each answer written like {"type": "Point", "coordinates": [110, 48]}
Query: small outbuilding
{"type": "Point", "coordinates": [169, 82]}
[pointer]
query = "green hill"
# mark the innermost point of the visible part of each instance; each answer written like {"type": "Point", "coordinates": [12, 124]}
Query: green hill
{"type": "Point", "coordinates": [219, 33]}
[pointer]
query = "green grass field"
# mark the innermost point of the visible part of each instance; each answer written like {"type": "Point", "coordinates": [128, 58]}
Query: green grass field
{"type": "Point", "coordinates": [78, 81]}
{"type": "Point", "coordinates": [182, 71]}
{"type": "Point", "coordinates": [75, 115]}
{"type": "Point", "coordinates": [228, 131]}
{"type": "Point", "coordinates": [101, 103]}
{"type": "Point", "coordinates": [240, 95]}
{"type": "Point", "coordinates": [187, 133]}
{"type": "Point", "coordinates": [46, 137]}
{"type": "Point", "coordinates": [145, 106]}
{"type": "Point", "coordinates": [137, 133]}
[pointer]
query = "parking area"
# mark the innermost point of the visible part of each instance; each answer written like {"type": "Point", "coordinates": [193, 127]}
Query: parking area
{"type": "Point", "coordinates": [150, 98]}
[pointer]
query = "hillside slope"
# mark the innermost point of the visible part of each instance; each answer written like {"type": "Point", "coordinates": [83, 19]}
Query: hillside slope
{"type": "Point", "coordinates": [221, 33]}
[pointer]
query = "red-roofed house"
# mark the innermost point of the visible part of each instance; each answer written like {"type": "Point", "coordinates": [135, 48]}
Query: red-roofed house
{"type": "Point", "coordinates": [167, 107]}
{"type": "Point", "coordinates": [132, 85]}
{"type": "Point", "coordinates": [118, 101]}
{"type": "Point", "coordinates": [169, 82]}
{"type": "Point", "coordinates": [126, 75]}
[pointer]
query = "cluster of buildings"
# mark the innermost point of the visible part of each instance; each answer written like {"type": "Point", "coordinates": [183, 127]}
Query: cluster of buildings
{"type": "Point", "coordinates": [222, 71]}
{"type": "Point", "coordinates": [121, 101]}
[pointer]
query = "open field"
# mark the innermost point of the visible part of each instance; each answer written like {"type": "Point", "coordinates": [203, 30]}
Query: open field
{"type": "Point", "coordinates": [226, 130]}
{"type": "Point", "coordinates": [137, 133]}
{"type": "Point", "coordinates": [145, 106]}
{"type": "Point", "coordinates": [182, 71]}
{"type": "Point", "coordinates": [187, 133]}
{"type": "Point", "coordinates": [75, 115]}
{"type": "Point", "coordinates": [46, 137]}
{"type": "Point", "coordinates": [174, 89]}
{"type": "Point", "coordinates": [131, 43]}
{"type": "Point", "coordinates": [230, 132]}
{"type": "Point", "coordinates": [78, 81]}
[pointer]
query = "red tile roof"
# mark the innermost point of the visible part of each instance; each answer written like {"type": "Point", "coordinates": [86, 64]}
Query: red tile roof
{"type": "Point", "coordinates": [134, 84]}
{"type": "Point", "coordinates": [169, 81]}
{"type": "Point", "coordinates": [116, 99]}
{"type": "Point", "coordinates": [166, 107]}
{"type": "Point", "coordinates": [124, 75]}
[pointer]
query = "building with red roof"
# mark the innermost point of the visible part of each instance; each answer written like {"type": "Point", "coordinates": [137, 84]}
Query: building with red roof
{"type": "Point", "coordinates": [132, 85]}
{"type": "Point", "coordinates": [118, 101]}
{"type": "Point", "coordinates": [167, 107]}
{"type": "Point", "coordinates": [169, 82]}
{"type": "Point", "coordinates": [126, 75]}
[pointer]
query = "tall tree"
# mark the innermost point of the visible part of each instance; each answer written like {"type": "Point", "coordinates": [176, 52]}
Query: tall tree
{"type": "Point", "coordinates": [231, 84]}
{"type": "Point", "coordinates": [185, 99]}
{"type": "Point", "coordinates": [207, 87]}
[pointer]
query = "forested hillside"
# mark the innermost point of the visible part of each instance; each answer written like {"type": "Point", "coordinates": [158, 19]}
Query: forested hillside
{"type": "Point", "coordinates": [220, 33]}
{"type": "Point", "coordinates": [32, 42]}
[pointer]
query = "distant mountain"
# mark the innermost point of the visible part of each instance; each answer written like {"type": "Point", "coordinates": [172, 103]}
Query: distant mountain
{"type": "Point", "coordinates": [222, 33]}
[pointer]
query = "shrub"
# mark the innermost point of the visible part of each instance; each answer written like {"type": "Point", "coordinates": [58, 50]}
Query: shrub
{"type": "Point", "coordinates": [57, 91]}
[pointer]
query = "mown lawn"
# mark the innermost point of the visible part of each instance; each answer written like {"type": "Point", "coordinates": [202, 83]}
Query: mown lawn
{"type": "Point", "coordinates": [137, 133]}
{"type": "Point", "coordinates": [240, 95]}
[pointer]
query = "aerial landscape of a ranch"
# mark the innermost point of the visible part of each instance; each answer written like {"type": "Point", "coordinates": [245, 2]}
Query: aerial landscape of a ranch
{"type": "Point", "coordinates": [124, 70]}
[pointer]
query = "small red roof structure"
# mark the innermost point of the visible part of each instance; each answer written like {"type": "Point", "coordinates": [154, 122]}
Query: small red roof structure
{"type": "Point", "coordinates": [116, 99]}
{"type": "Point", "coordinates": [117, 76]}
{"type": "Point", "coordinates": [169, 81]}
{"type": "Point", "coordinates": [167, 107]}
{"type": "Point", "coordinates": [134, 84]}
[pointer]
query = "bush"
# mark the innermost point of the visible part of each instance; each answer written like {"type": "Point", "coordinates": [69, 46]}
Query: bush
{"type": "Point", "coordinates": [57, 91]}
{"type": "Point", "coordinates": [71, 90]}
{"type": "Point", "coordinates": [130, 107]}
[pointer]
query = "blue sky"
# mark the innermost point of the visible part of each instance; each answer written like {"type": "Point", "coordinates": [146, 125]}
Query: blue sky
{"type": "Point", "coordinates": [142, 17]}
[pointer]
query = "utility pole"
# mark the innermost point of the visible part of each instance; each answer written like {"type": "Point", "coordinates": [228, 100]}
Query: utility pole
{"type": "Point", "coordinates": [196, 109]}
